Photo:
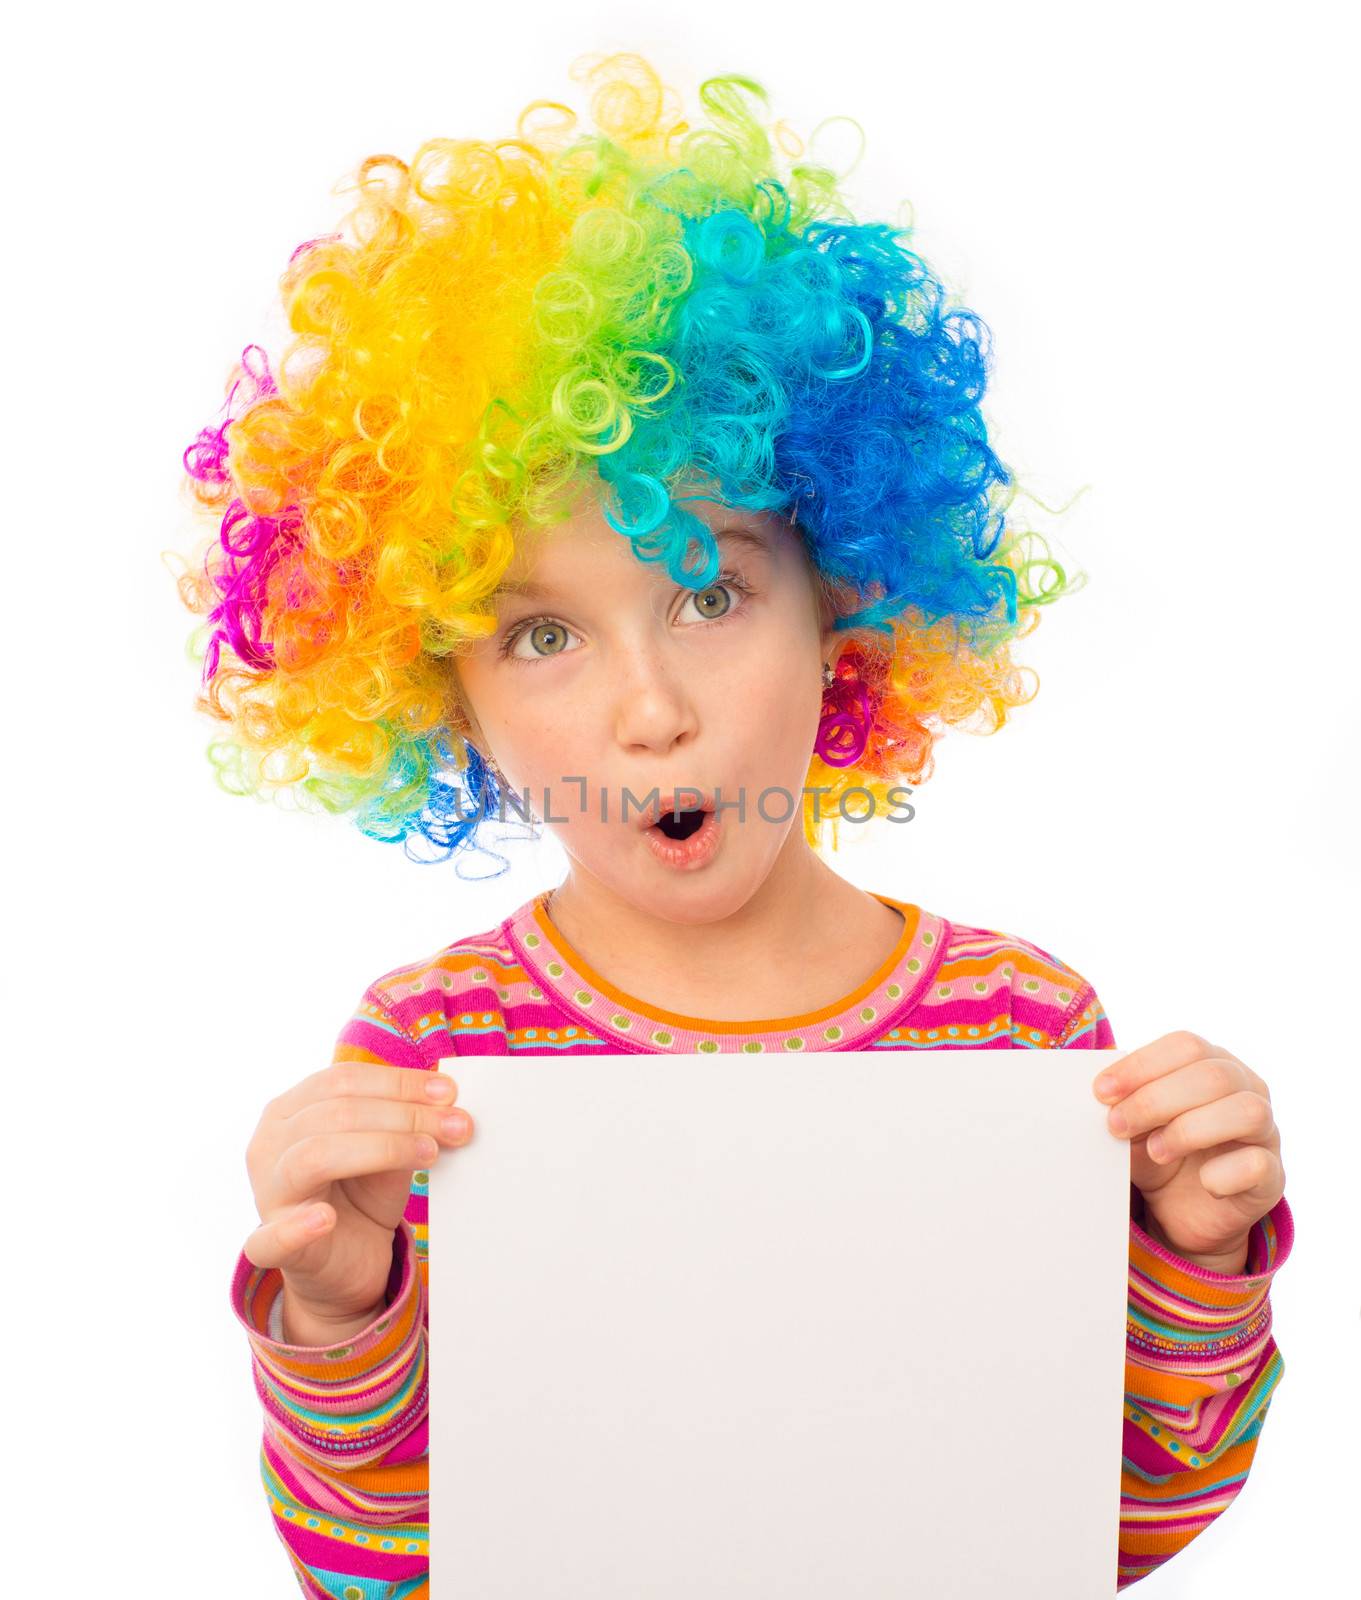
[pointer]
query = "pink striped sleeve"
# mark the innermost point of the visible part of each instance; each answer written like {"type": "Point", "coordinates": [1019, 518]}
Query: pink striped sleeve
{"type": "Point", "coordinates": [343, 1457]}
{"type": "Point", "coordinates": [1201, 1367]}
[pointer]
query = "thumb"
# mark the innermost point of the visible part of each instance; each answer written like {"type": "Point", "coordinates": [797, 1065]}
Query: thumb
{"type": "Point", "coordinates": [278, 1242]}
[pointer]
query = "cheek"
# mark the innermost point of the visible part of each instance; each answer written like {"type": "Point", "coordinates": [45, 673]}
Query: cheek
{"type": "Point", "coordinates": [778, 717]}
{"type": "Point", "coordinates": [540, 755]}
{"type": "Point", "coordinates": [768, 732]}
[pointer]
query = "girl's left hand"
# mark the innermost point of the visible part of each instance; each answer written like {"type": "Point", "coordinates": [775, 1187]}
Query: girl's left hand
{"type": "Point", "coordinates": [1204, 1148]}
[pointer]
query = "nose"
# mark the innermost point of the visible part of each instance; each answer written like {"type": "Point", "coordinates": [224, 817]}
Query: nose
{"type": "Point", "coordinates": [653, 707]}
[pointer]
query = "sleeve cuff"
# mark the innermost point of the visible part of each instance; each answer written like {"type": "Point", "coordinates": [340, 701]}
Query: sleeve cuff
{"type": "Point", "coordinates": [1171, 1297]}
{"type": "Point", "coordinates": [257, 1303]}
{"type": "Point", "coordinates": [351, 1400]}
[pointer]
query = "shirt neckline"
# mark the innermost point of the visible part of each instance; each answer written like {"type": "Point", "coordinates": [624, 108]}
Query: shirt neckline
{"type": "Point", "coordinates": [626, 1022]}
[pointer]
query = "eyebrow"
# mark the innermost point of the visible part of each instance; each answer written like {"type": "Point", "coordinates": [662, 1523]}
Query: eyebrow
{"type": "Point", "coordinates": [526, 588]}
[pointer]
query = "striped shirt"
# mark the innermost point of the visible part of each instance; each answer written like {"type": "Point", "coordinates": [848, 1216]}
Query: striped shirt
{"type": "Point", "coordinates": [344, 1454]}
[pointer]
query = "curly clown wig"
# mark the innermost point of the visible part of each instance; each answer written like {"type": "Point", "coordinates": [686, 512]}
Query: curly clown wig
{"type": "Point", "coordinates": [653, 304]}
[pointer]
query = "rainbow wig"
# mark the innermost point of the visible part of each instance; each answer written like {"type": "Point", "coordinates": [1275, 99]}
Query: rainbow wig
{"type": "Point", "coordinates": [659, 305]}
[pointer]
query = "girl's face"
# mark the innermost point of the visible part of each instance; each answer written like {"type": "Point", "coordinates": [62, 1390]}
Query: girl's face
{"type": "Point", "coordinates": [604, 676]}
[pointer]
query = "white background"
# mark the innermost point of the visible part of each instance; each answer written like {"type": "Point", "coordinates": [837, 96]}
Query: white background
{"type": "Point", "coordinates": [1150, 206]}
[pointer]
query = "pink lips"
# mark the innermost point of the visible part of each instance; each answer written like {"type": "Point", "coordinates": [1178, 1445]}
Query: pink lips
{"type": "Point", "coordinates": [667, 804]}
{"type": "Point", "coordinates": [687, 855]}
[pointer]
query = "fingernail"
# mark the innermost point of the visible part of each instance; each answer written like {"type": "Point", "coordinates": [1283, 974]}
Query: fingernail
{"type": "Point", "coordinates": [1105, 1085]}
{"type": "Point", "coordinates": [455, 1125]}
{"type": "Point", "coordinates": [439, 1088]}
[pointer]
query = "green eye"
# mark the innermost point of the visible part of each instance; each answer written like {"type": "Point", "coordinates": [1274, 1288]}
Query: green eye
{"type": "Point", "coordinates": [705, 595]}
{"type": "Point", "coordinates": [548, 638]}
{"type": "Point", "coordinates": [703, 598]}
{"type": "Point", "coordinates": [540, 631]}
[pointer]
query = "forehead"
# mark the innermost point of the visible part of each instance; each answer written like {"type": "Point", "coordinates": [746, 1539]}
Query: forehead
{"type": "Point", "coordinates": [546, 558]}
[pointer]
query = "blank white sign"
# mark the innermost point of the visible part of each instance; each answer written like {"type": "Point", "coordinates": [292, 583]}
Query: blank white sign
{"type": "Point", "coordinates": [823, 1327]}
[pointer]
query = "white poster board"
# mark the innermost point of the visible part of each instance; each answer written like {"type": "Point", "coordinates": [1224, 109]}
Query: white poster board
{"type": "Point", "coordinates": [841, 1326]}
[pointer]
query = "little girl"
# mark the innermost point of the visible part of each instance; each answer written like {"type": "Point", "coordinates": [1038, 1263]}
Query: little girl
{"type": "Point", "coordinates": [620, 479]}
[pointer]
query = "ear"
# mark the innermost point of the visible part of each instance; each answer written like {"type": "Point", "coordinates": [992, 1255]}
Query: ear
{"type": "Point", "coordinates": [833, 640]}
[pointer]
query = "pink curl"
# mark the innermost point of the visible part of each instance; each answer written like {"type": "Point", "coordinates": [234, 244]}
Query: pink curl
{"type": "Point", "coordinates": [311, 244]}
{"type": "Point", "coordinates": [844, 731]}
{"type": "Point", "coordinates": [206, 458]}
{"type": "Point", "coordinates": [252, 544]}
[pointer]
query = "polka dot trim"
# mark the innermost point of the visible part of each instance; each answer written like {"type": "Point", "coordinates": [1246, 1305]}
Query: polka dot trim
{"type": "Point", "coordinates": [411, 1547]}
{"type": "Point", "coordinates": [548, 960]}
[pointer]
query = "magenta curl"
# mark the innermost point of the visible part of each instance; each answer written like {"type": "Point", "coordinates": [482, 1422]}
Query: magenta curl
{"type": "Point", "coordinates": [844, 731]}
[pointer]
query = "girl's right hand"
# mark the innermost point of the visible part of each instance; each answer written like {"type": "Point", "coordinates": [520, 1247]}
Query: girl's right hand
{"type": "Point", "coordinates": [347, 1140]}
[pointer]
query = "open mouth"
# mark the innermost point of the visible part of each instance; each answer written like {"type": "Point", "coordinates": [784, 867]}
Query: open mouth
{"type": "Point", "coordinates": [684, 838]}
{"type": "Point", "coordinates": [681, 825]}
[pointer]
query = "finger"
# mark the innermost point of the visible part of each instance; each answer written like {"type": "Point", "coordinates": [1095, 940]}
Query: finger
{"type": "Point", "coordinates": [1246, 1076]}
{"type": "Point", "coordinates": [1244, 1116]}
{"type": "Point", "coordinates": [1251, 1172]}
{"type": "Point", "coordinates": [283, 1238]}
{"type": "Point", "coordinates": [372, 1079]}
{"type": "Point", "coordinates": [356, 1114]}
{"type": "Point", "coordinates": [322, 1158]}
{"type": "Point", "coordinates": [1164, 1098]}
{"type": "Point", "coordinates": [1167, 1054]}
